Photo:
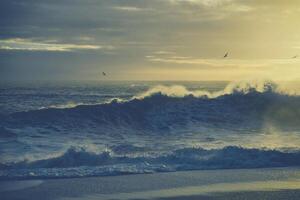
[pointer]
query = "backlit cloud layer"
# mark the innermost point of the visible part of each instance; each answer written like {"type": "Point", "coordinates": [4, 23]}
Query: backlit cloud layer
{"type": "Point", "coordinates": [27, 44]}
{"type": "Point", "coordinates": [149, 40]}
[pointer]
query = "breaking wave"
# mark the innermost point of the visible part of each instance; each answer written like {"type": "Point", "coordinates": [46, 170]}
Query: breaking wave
{"type": "Point", "coordinates": [80, 162]}
{"type": "Point", "coordinates": [243, 87]}
{"type": "Point", "coordinates": [164, 108]}
{"type": "Point", "coordinates": [246, 107]}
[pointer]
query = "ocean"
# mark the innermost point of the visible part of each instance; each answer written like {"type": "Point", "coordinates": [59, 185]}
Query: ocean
{"type": "Point", "coordinates": [104, 128]}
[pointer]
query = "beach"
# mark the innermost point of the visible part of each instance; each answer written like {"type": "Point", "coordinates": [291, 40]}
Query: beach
{"type": "Point", "coordinates": [222, 141]}
{"type": "Point", "coordinates": [149, 100]}
{"type": "Point", "coordinates": [274, 183]}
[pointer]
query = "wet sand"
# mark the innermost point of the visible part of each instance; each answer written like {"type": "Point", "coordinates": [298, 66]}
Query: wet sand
{"type": "Point", "coordinates": [278, 183]}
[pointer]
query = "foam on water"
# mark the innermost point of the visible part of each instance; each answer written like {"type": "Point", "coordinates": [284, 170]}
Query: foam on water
{"type": "Point", "coordinates": [162, 129]}
{"type": "Point", "coordinates": [162, 108]}
{"type": "Point", "coordinates": [80, 162]}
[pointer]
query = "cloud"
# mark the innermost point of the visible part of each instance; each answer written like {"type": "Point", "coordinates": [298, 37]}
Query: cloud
{"type": "Point", "coordinates": [185, 34]}
{"type": "Point", "coordinates": [30, 45]}
{"type": "Point", "coordinates": [221, 63]}
{"type": "Point", "coordinates": [128, 8]}
{"type": "Point", "coordinates": [238, 8]}
{"type": "Point", "coordinates": [206, 3]}
{"type": "Point", "coordinates": [163, 52]}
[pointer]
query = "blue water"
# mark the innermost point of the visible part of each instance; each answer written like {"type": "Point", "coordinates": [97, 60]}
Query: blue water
{"type": "Point", "coordinates": [71, 129]}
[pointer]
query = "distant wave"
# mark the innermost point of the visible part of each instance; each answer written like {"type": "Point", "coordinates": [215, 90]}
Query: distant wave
{"type": "Point", "coordinates": [164, 108]}
{"type": "Point", "coordinates": [80, 162]}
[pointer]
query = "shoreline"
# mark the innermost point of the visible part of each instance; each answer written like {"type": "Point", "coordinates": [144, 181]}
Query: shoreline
{"type": "Point", "coordinates": [146, 173]}
{"type": "Point", "coordinates": [167, 185]}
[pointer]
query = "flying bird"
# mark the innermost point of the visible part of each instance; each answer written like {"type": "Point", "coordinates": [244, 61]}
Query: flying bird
{"type": "Point", "coordinates": [296, 56]}
{"type": "Point", "coordinates": [103, 73]}
{"type": "Point", "coordinates": [226, 55]}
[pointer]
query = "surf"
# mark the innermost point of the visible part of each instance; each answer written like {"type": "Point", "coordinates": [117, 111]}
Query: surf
{"type": "Point", "coordinates": [162, 108]}
{"type": "Point", "coordinates": [76, 162]}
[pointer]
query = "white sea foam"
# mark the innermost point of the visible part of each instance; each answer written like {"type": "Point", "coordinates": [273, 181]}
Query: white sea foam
{"type": "Point", "coordinates": [236, 87]}
{"type": "Point", "coordinates": [80, 162]}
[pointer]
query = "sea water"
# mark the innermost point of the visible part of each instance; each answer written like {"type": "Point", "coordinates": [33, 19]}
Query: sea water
{"type": "Point", "coordinates": [73, 129]}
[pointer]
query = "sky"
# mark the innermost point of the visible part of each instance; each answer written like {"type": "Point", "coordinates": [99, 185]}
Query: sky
{"type": "Point", "coordinates": [149, 39]}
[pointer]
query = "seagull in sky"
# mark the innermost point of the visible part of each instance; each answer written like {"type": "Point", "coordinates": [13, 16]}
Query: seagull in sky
{"type": "Point", "coordinates": [226, 55]}
{"type": "Point", "coordinates": [103, 73]}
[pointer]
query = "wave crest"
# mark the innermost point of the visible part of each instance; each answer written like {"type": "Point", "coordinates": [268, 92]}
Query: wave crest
{"type": "Point", "coordinates": [241, 87]}
{"type": "Point", "coordinates": [79, 162]}
{"type": "Point", "coordinates": [164, 108]}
